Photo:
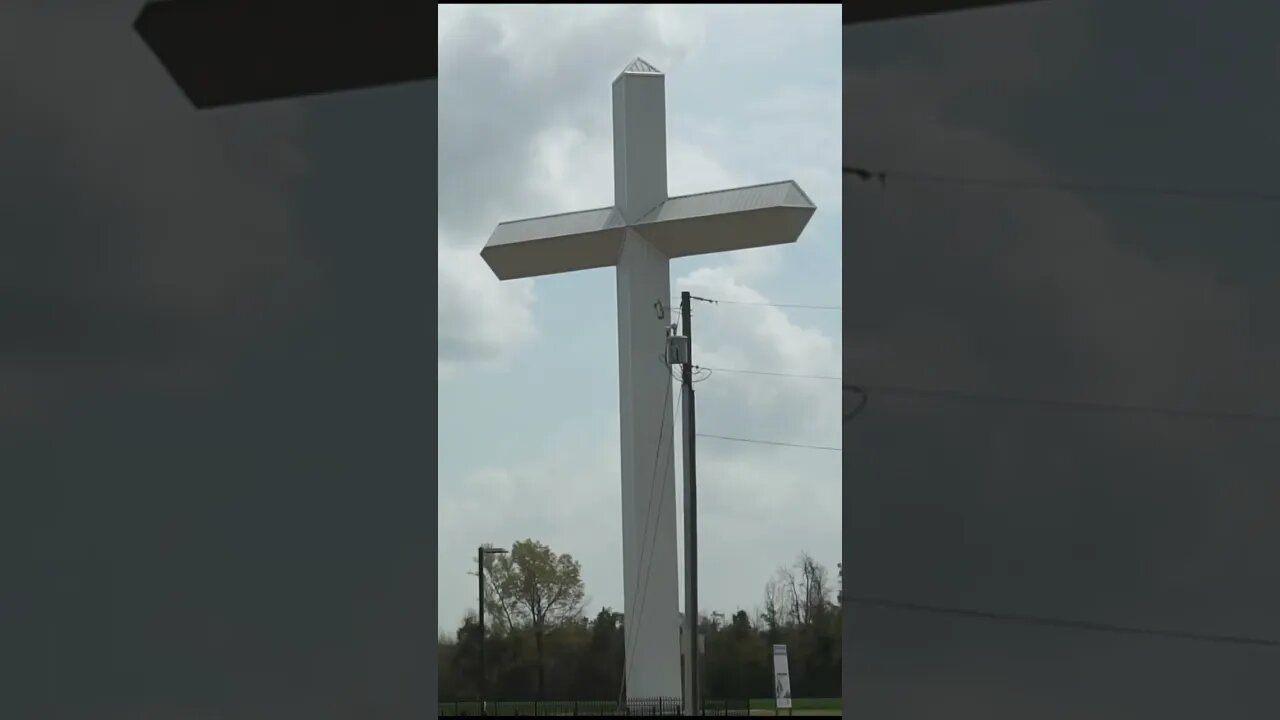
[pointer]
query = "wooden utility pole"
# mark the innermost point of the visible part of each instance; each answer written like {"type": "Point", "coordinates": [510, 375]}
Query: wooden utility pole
{"type": "Point", "coordinates": [692, 693]}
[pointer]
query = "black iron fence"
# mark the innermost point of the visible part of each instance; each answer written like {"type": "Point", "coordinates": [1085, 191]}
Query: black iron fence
{"type": "Point", "coordinates": [638, 707]}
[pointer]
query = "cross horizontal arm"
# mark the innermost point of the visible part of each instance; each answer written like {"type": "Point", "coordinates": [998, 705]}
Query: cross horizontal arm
{"type": "Point", "coordinates": [737, 219]}
{"type": "Point", "coordinates": [555, 244]}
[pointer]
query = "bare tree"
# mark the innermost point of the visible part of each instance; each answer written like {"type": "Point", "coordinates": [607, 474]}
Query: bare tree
{"type": "Point", "coordinates": [798, 595]}
{"type": "Point", "coordinates": [814, 594]}
{"type": "Point", "coordinates": [795, 605]}
{"type": "Point", "coordinates": [774, 614]}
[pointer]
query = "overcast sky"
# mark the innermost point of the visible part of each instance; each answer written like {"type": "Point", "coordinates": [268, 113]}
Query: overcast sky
{"type": "Point", "coordinates": [528, 370]}
{"type": "Point", "coordinates": [1155, 522]}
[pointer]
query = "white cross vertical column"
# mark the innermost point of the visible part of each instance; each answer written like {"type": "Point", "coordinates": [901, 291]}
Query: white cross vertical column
{"type": "Point", "coordinates": [648, 458]}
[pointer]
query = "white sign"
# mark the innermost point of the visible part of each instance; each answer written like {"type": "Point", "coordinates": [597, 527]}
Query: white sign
{"type": "Point", "coordinates": [781, 680]}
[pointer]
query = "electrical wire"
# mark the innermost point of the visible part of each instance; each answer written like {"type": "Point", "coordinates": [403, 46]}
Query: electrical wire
{"type": "Point", "coordinates": [645, 541]}
{"type": "Point", "coordinates": [774, 374]}
{"type": "Point", "coordinates": [1076, 405]}
{"type": "Point", "coordinates": [1060, 622]}
{"type": "Point", "coordinates": [770, 442]}
{"type": "Point", "coordinates": [1060, 185]}
{"type": "Point", "coordinates": [765, 304]}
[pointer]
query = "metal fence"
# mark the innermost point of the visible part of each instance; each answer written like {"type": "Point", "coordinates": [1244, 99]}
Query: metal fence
{"type": "Point", "coordinates": [638, 707]}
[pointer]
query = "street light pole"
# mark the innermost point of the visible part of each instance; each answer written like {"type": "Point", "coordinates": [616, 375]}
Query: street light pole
{"type": "Point", "coordinates": [480, 553]}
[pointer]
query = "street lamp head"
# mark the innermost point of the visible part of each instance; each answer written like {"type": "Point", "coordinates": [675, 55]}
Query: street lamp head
{"type": "Point", "coordinates": [494, 551]}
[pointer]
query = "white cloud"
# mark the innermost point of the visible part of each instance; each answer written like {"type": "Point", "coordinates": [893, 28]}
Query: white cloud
{"type": "Point", "coordinates": [479, 317]}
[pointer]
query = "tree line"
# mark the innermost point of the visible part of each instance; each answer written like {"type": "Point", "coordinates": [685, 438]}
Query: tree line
{"type": "Point", "coordinates": [540, 642]}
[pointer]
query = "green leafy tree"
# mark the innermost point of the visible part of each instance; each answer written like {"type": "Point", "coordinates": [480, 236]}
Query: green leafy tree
{"type": "Point", "coordinates": [538, 590]}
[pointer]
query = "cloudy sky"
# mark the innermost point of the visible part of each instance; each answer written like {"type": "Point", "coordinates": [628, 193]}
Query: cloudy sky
{"type": "Point", "coordinates": [1150, 521]}
{"type": "Point", "coordinates": [528, 370]}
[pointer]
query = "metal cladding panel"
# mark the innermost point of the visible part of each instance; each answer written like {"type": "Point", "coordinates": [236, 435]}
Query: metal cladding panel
{"type": "Point", "coordinates": [639, 142]}
{"type": "Point", "coordinates": [551, 226]}
{"type": "Point", "coordinates": [754, 197]}
{"type": "Point", "coordinates": [639, 66]}
{"type": "Point", "coordinates": [555, 244]}
{"type": "Point", "coordinates": [756, 216]}
{"type": "Point", "coordinates": [724, 233]}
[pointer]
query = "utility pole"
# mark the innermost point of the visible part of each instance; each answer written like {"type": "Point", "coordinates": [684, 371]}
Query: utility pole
{"type": "Point", "coordinates": [691, 676]}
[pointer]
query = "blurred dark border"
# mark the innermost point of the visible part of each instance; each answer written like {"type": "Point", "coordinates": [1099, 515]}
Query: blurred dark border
{"type": "Point", "coordinates": [231, 52]}
{"type": "Point", "coordinates": [864, 11]}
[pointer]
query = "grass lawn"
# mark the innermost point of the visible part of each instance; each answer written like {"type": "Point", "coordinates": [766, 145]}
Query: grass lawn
{"type": "Point", "coordinates": [548, 708]}
{"type": "Point", "coordinates": [799, 706]}
{"type": "Point", "coordinates": [759, 707]}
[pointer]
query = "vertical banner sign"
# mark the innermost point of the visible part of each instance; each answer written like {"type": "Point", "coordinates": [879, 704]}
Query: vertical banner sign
{"type": "Point", "coordinates": [781, 680]}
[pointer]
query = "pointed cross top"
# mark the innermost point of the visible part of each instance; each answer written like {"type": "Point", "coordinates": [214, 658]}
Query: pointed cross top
{"type": "Point", "coordinates": [639, 66]}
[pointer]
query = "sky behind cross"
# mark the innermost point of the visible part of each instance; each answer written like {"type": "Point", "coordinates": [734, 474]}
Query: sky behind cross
{"type": "Point", "coordinates": [528, 369]}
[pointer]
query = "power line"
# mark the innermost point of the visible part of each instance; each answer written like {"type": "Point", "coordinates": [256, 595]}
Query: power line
{"type": "Point", "coordinates": [646, 540]}
{"type": "Point", "coordinates": [765, 304]}
{"type": "Point", "coordinates": [1061, 622]}
{"type": "Point", "coordinates": [777, 305]}
{"type": "Point", "coordinates": [771, 442]}
{"type": "Point", "coordinates": [1077, 405]}
{"type": "Point", "coordinates": [790, 375]}
{"type": "Point", "coordinates": [883, 176]}
{"type": "Point", "coordinates": [773, 374]}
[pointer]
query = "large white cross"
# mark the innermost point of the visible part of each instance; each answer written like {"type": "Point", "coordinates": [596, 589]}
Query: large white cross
{"type": "Point", "coordinates": [640, 234]}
